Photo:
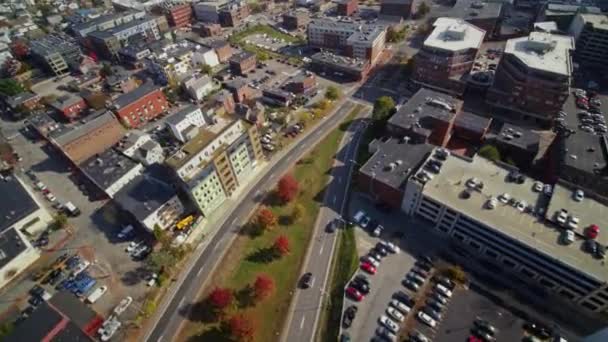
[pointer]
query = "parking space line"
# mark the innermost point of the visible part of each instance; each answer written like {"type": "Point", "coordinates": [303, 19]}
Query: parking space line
{"type": "Point", "coordinates": [200, 271]}
{"type": "Point", "coordinates": [181, 302]}
{"type": "Point", "coordinates": [321, 249]}
{"type": "Point", "coordinates": [302, 322]}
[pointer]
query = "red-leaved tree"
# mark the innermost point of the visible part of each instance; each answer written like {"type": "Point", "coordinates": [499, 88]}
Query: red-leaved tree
{"type": "Point", "coordinates": [20, 50]}
{"type": "Point", "coordinates": [263, 286]}
{"type": "Point", "coordinates": [241, 327]}
{"type": "Point", "coordinates": [287, 188]}
{"type": "Point", "coordinates": [281, 245]}
{"type": "Point", "coordinates": [266, 218]}
{"type": "Point", "coordinates": [221, 298]}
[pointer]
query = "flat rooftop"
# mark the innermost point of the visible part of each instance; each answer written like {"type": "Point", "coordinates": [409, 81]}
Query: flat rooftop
{"type": "Point", "coordinates": [473, 10]}
{"type": "Point", "coordinates": [425, 108]}
{"type": "Point", "coordinates": [69, 133]}
{"type": "Point", "coordinates": [107, 167]}
{"type": "Point", "coordinates": [505, 219]}
{"type": "Point", "coordinates": [10, 245]}
{"type": "Point", "coordinates": [453, 34]}
{"type": "Point", "coordinates": [394, 161]}
{"type": "Point", "coordinates": [16, 204]}
{"type": "Point", "coordinates": [344, 62]}
{"type": "Point", "coordinates": [599, 21]}
{"type": "Point", "coordinates": [517, 136]}
{"type": "Point", "coordinates": [361, 31]}
{"type": "Point", "coordinates": [586, 151]}
{"type": "Point", "coordinates": [589, 211]}
{"type": "Point", "coordinates": [543, 51]}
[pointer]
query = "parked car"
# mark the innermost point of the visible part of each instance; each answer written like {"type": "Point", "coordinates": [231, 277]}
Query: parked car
{"type": "Point", "coordinates": [485, 326]}
{"type": "Point", "coordinates": [435, 304]}
{"type": "Point", "coordinates": [385, 334]}
{"type": "Point", "coordinates": [378, 231]}
{"type": "Point", "coordinates": [439, 298]}
{"type": "Point", "coordinates": [417, 336]}
{"type": "Point", "coordinates": [395, 314]}
{"type": "Point", "coordinates": [426, 319]}
{"type": "Point", "coordinates": [443, 290]}
{"type": "Point", "coordinates": [306, 280]}
{"type": "Point", "coordinates": [404, 309]}
{"type": "Point", "coordinates": [445, 281]}
{"type": "Point", "coordinates": [349, 316]}
{"type": "Point", "coordinates": [370, 259]}
{"type": "Point", "coordinates": [592, 231]}
{"type": "Point", "coordinates": [404, 298]}
{"type": "Point", "coordinates": [389, 324]}
{"type": "Point", "coordinates": [417, 279]}
{"type": "Point", "coordinates": [538, 330]}
{"type": "Point", "coordinates": [436, 315]}
{"type": "Point", "coordinates": [369, 268]}
{"type": "Point", "coordinates": [389, 246]}
{"type": "Point", "coordinates": [360, 286]}
{"type": "Point", "coordinates": [567, 237]}
{"type": "Point", "coordinates": [410, 285]}
{"type": "Point", "coordinates": [353, 294]}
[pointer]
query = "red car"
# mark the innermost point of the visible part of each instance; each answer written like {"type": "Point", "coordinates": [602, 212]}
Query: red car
{"type": "Point", "coordinates": [353, 294]}
{"type": "Point", "coordinates": [593, 231]}
{"type": "Point", "coordinates": [367, 267]}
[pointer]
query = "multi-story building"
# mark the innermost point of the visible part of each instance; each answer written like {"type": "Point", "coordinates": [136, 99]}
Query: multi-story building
{"type": "Point", "coordinates": [107, 43]}
{"type": "Point", "coordinates": [104, 22]}
{"type": "Point", "coordinates": [240, 90]}
{"type": "Point", "coordinates": [242, 63]}
{"type": "Point", "coordinates": [56, 53]}
{"type": "Point", "coordinates": [222, 49]}
{"type": "Point", "coordinates": [350, 38]}
{"type": "Point", "coordinates": [295, 20]}
{"type": "Point", "coordinates": [302, 83]}
{"type": "Point", "coordinates": [140, 105]}
{"type": "Point", "coordinates": [174, 61]}
{"type": "Point", "coordinates": [178, 15]}
{"type": "Point", "coordinates": [346, 68]}
{"type": "Point", "coordinates": [464, 202]}
{"type": "Point", "coordinates": [198, 86]}
{"type": "Point", "coordinates": [82, 141]}
{"type": "Point", "coordinates": [563, 14]}
{"type": "Point", "coordinates": [233, 12]}
{"type": "Point", "coordinates": [216, 162]}
{"type": "Point", "coordinates": [591, 34]}
{"type": "Point", "coordinates": [186, 122]}
{"type": "Point", "coordinates": [141, 147]}
{"type": "Point", "coordinates": [427, 117]}
{"type": "Point", "coordinates": [533, 76]}
{"type": "Point", "coordinates": [277, 97]}
{"type": "Point", "coordinates": [346, 7]}
{"type": "Point", "coordinates": [487, 15]}
{"type": "Point", "coordinates": [447, 56]}
{"type": "Point", "coordinates": [207, 11]}
{"type": "Point", "coordinates": [69, 106]}
{"type": "Point", "coordinates": [19, 214]}
{"type": "Point", "coordinates": [110, 171]}
{"type": "Point", "coordinates": [400, 9]}
{"type": "Point", "coordinates": [207, 29]}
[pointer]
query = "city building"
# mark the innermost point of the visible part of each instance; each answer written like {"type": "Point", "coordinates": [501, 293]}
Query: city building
{"type": "Point", "coordinates": [205, 56]}
{"type": "Point", "coordinates": [346, 7]}
{"type": "Point", "coordinates": [140, 147]}
{"type": "Point", "coordinates": [564, 14]}
{"type": "Point", "coordinates": [62, 318]}
{"type": "Point", "coordinates": [302, 83]}
{"type": "Point", "coordinates": [447, 56]}
{"type": "Point", "coordinates": [346, 68]}
{"type": "Point", "coordinates": [198, 86]}
{"type": "Point", "coordinates": [469, 130]}
{"type": "Point", "coordinates": [175, 60]}
{"type": "Point", "coordinates": [533, 77]}
{"type": "Point", "coordinates": [178, 15]}
{"type": "Point", "coordinates": [385, 174]}
{"type": "Point", "coordinates": [591, 34]}
{"type": "Point", "coordinates": [546, 26]}
{"type": "Point", "coordinates": [108, 42]}
{"type": "Point", "coordinates": [427, 117]}
{"type": "Point", "coordinates": [486, 15]}
{"type": "Point", "coordinates": [296, 19]}
{"type": "Point", "coordinates": [217, 162]}
{"type": "Point", "coordinates": [110, 171]}
{"type": "Point", "coordinates": [464, 202]}
{"type": "Point", "coordinates": [19, 214]}
{"type": "Point", "coordinates": [69, 105]}
{"type": "Point", "coordinates": [254, 113]}
{"type": "Point", "coordinates": [82, 141]}
{"type": "Point", "coordinates": [222, 101]}
{"type": "Point", "coordinates": [186, 122]}
{"type": "Point", "coordinates": [150, 200]}
{"type": "Point", "coordinates": [104, 22]}
{"type": "Point", "coordinates": [398, 9]}
{"type": "Point", "coordinates": [207, 29]}
{"type": "Point", "coordinates": [242, 63]}
{"type": "Point", "coordinates": [239, 89]}
{"type": "Point", "coordinates": [208, 11]}
{"type": "Point", "coordinates": [232, 13]}
{"type": "Point", "coordinates": [133, 56]}
{"type": "Point", "coordinates": [222, 48]}
{"type": "Point", "coordinates": [22, 101]}
{"type": "Point", "coordinates": [349, 38]}
{"type": "Point", "coordinates": [141, 105]}
{"type": "Point", "coordinates": [57, 53]}
{"type": "Point", "coordinates": [518, 144]}
{"type": "Point", "coordinates": [277, 97]}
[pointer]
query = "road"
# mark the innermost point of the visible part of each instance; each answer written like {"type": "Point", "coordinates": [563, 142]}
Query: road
{"type": "Point", "coordinates": [171, 316]}
{"type": "Point", "coordinates": [306, 306]}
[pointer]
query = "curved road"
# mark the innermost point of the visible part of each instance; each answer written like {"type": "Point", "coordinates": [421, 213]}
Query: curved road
{"type": "Point", "coordinates": [171, 315]}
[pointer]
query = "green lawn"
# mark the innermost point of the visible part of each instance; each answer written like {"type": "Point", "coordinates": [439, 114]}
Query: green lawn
{"type": "Point", "coordinates": [261, 29]}
{"type": "Point", "coordinates": [344, 266]}
{"type": "Point", "coordinates": [242, 264]}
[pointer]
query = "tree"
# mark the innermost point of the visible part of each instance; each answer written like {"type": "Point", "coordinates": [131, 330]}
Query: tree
{"type": "Point", "coordinates": [489, 152]}
{"type": "Point", "coordinates": [423, 9]}
{"type": "Point", "coordinates": [241, 327]}
{"type": "Point", "coordinates": [221, 298]}
{"type": "Point", "coordinates": [59, 221]}
{"type": "Point", "coordinates": [20, 50]}
{"type": "Point", "coordinates": [162, 260]}
{"type": "Point", "coordinates": [263, 56]}
{"type": "Point", "coordinates": [206, 69]}
{"type": "Point", "coordinates": [287, 188]}
{"type": "Point", "coordinates": [297, 213]}
{"type": "Point", "coordinates": [10, 87]}
{"type": "Point", "coordinates": [263, 286]}
{"type": "Point", "coordinates": [383, 108]}
{"type": "Point", "coordinates": [97, 100]}
{"type": "Point", "coordinates": [394, 36]}
{"type": "Point", "coordinates": [332, 93]}
{"type": "Point", "coordinates": [265, 218]}
{"type": "Point", "coordinates": [281, 245]}
{"type": "Point", "coordinates": [456, 273]}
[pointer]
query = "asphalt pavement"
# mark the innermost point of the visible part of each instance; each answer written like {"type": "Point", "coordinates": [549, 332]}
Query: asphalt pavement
{"type": "Point", "coordinates": [307, 303]}
{"type": "Point", "coordinates": [171, 315]}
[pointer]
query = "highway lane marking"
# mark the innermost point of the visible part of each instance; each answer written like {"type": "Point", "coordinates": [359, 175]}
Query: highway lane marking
{"type": "Point", "coordinates": [181, 302]}
{"type": "Point", "coordinates": [161, 338]}
{"type": "Point", "coordinates": [200, 271]}
{"type": "Point", "coordinates": [321, 250]}
{"type": "Point", "coordinates": [312, 283]}
{"type": "Point", "coordinates": [302, 322]}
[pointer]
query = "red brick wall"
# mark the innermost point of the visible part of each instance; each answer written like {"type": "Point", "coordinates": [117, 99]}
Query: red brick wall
{"type": "Point", "coordinates": [380, 191]}
{"type": "Point", "coordinates": [224, 53]}
{"type": "Point", "coordinates": [135, 113]}
{"type": "Point", "coordinates": [74, 110]}
{"type": "Point", "coordinates": [348, 8]}
{"type": "Point", "coordinates": [180, 15]}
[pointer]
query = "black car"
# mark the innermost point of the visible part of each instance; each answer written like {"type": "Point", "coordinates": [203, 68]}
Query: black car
{"type": "Point", "coordinates": [362, 278]}
{"type": "Point", "coordinates": [410, 285]}
{"type": "Point", "coordinates": [53, 274]}
{"type": "Point", "coordinates": [590, 246]}
{"type": "Point", "coordinates": [432, 312]}
{"type": "Point", "coordinates": [435, 305]}
{"type": "Point", "coordinates": [600, 252]}
{"type": "Point", "coordinates": [404, 297]}
{"type": "Point", "coordinates": [375, 255]}
{"type": "Point", "coordinates": [361, 286]}
{"type": "Point", "coordinates": [306, 280]}
{"type": "Point", "coordinates": [35, 301]}
{"type": "Point", "coordinates": [423, 266]}
{"type": "Point", "coordinates": [427, 259]}
{"type": "Point", "coordinates": [56, 278]}
{"type": "Point", "coordinates": [381, 250]}
{"type": "Point", "coordinates": [331, 226]}
{"type": "Point", "coordinates": [28, 311]}
{"type": "Point", "coordinates": [445, 281]}
{"type": "Point", "coordinates": [538, 330]}
{"type": "Point", "coordinates": [349, 316]}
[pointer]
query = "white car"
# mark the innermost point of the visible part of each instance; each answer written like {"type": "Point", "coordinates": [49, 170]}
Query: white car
{"type": "Point", "coordinates": [378, 230]}
{"type": "Point", "coordinates": [359, 216]}
{"type": "Point", "coordinates": [389, 324]}
{"type": "Point", "coordinates": [394, 314]}
{"type": "Point", "coordinates": [83, 265]}
{"type": "Point", "coordinates": [443, 290]}
{"type": "Point", "coordinates": [548, 189]}
{"type": "Point", "coordinates": [400, 306]}
{"type": "Point", "coordinates": [572, 222]}
{"type": "Point", "coordinates": [579, 195]}
{"type": "Point", "coordinates": [133, 246]}
{"type": "Point", "coordinates": [426, 319]}
{"type": "Point", "coordinates": [391, 247]}
{"type": "Point", "coordinates": [538, 186]}
{"type": "Point", "coordinates": [40, 186]}
{"type": "Point", "coordinates": [152, 280]}
{"type": "Point", "coordinates": [561, 217]}
{"type": "Point", "coordinates": [371, 260]}
{"type": "Point", "coordinates": [521, 206]}
{"type": "Point", "coordinates": [365, 222]}
{"type": "Point", "coordinates": [491, 203]}
{"type": "Point", "coordinates": [50, 197]}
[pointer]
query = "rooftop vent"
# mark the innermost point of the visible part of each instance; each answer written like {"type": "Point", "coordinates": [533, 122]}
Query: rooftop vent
{"type": "Point", "coordinates": [590, 149]}
{"type": "Point", "coordinates": [517, 134]}
{"type": "Point", "coordinates": [439, 103]}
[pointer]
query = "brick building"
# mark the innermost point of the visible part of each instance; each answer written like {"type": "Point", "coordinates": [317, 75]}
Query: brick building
{"type": "Point", "coordinates": [486, 15]}
{"type": "Point", "coordinates": [295, 20]}
{"type": "Point", "coordinates": [222, 48]}
{"type": "Point", "coordinates": [396, 8]}
{"type": "Point", "coordinates": [591, 34]}
{"type": "Point", "coordinates": [242, 63]}
{"type": "Point", "coordinates": [533, 77]}
{"type": "Point", "coordinates": [346, 7]}
{"type": "Point", "coordinates": [70, 106]}
{"type": "Point", "coordinates": [447, 55]}
{"type": "Point", "coordinates": [344, 68]}
{"type": "Point", "coordinates": [239, 89]}
{"type": "Point", "coordinates": [302, 83]}
{"type": "Point", "coordinates": [232, 13]}
{"type": "Point", "coordinates": [178, 15]}
{"type": "Point", "coordinates": [141, 105]}
{"type": "Point", "coordinates": [208, 29]}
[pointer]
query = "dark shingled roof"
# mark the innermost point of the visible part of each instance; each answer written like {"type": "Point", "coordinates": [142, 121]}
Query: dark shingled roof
{"type": "Point", "coordinates": [15, 204]}
{"type": "Point", "coordinates": [128, 98]}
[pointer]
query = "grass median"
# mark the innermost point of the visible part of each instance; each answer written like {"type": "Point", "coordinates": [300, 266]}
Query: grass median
{"type": "Point", "coordinates": [246, 258]}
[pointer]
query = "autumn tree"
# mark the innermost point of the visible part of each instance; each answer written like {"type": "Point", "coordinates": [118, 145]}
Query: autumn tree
{"type": "Point", "coordinates": [297, 212]}
{"type": "Point", "coordinates": [20, 50]}
{"type": "Point", "coordinates": [221, 298]}
{"type": "Point", "coordinates": [241, 327]}
{"type": "Point", "coordinates": [265, 218]}
{"type": "Point", "coordinates": [281, 245]}
{"type": "Point", "coordinates": [287, 188]}
{"type": "Point", "coordinates": [332, 93]}
{"type": "Point", "coordinates": [263, 286]}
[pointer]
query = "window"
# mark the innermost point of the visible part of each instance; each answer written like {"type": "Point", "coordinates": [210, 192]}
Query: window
{"type": "Point", "coordinates": [459, 237]}
{"type": "Point", "coordinates": [508, 263]}
{"type": "Point", "coordinates": [547, 283]}
{"type": "Point", "coordinates": [590, 306]}
{"type": "Point", "coordinates": [527, 272]}
{"type": "Point", "coordinates": [492, 254]}
{"type": "Point", "coordinates": [566, 294]}
{"type": "Point", "coordinates": [475, 245]}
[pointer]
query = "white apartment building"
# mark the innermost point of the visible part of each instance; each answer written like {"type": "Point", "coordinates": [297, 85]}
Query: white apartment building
{"type": "Point", "coordinates": [205, 56]}
{"type": "Point", "coordinates": [198, 86]}
{"type": "Point", "coordinates": [184, 124]}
